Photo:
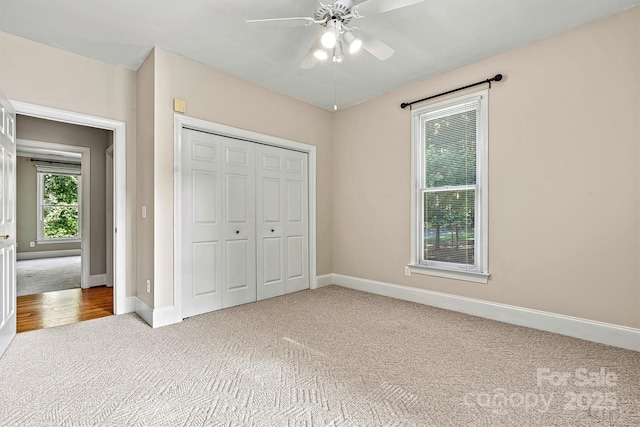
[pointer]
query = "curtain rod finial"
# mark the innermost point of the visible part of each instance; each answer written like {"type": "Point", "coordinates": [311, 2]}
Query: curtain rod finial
{"type": "Point", "coordinates": [498, 77]}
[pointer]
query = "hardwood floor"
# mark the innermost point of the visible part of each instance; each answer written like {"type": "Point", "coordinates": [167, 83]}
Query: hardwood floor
{"type": "Point", "coordinates": [58, 308]}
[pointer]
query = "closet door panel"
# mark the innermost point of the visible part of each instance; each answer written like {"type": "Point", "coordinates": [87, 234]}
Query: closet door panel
{"type": "Point", "coordinates": [271, 200]}
{"type": "Point", "coordinates": [297, 222]}
{"type": "Point", "coordinates": [201, 223]}
{"type": "Point", "coordinates": [205, 255]}
{"type": "Point", "coordinates": [295, 264]}
{"type": "Point", "coordinates": [270, 222]}
{"type": "Point", "coordinates": [238, 258]}
{"type": "Point", "coordinates": [239, 229]}
{"type": "Point", "coordinates": [282, 216]}
{"type": "Point", "coordinates": [272, 257]}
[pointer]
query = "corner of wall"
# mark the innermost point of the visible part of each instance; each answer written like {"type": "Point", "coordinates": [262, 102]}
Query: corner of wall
{"type": "Point", "coordinates": [144, 182]}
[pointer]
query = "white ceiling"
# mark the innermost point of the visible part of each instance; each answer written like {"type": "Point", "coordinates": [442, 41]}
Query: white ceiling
{"type": "Point", "coordinates": [429, 38]}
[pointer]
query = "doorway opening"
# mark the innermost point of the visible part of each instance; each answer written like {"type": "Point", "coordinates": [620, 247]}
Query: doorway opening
{"type": "Point", "coordinates": [60, 221]}
{"type": "Point", "coordinates": [104, 287]}
{"type": "Point", "coordinates": [53, 200]}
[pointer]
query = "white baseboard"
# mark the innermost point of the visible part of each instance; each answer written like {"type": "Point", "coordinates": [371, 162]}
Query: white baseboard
{"type": "Point", "coordinates": [324, 280]}
{"type": "Point", "coordinates": [130, 305]}
{"type": "Point", "coordinates": [154, 317]}
{"type": "Point", "coordinates": [48, 254]}
{"type": "Point", "coordinates": [98, 280]}
{"type": "Point", "coordinates": [144, 311]}
{"type": "Point", "coordinates": [604, 333]}
{"type": "Point", "coordinates": [163, 317]}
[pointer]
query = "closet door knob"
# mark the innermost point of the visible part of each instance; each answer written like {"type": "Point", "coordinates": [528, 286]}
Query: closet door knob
{"type": "Point", "coordinates": [272, 230]}
{"type": "Point", "coordinates": [237, 231]}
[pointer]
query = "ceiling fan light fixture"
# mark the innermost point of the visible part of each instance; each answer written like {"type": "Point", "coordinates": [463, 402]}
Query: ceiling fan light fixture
{"type": "Point", "coordinates": [330, 37]}
{"type": "Point", "coordinates": [355, 46]}
{"type": "Point", "coordinates": [338, 56]}
{"type": "Point", "coordinates": [328, 40]}
{"type": "Point", "coordinates": [354, 43]}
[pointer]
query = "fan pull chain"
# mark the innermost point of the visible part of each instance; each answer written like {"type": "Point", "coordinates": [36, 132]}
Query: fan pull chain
{"type": "Point", "coordinates": [335, 86]}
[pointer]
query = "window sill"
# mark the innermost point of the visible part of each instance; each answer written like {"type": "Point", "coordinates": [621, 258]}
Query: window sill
{"type": "Point", "coordinates": [57, 241]}
{"type": "Point", "coordinates": [469, 276]}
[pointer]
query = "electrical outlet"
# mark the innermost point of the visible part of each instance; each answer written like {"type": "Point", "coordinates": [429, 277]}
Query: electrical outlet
{"type": "Point", "coordinates": [149, 286]}
{"type": "Point", "coordinates": [407, 270]}
{"type": "Point", "coordinates": [32, 244]}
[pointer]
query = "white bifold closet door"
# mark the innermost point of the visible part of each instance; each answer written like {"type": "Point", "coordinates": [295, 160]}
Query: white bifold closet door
{"type": "Point", "coordinates": [244, 224]}
{"type": "Point", "coordinates": [282, 218]}
{"type": "Point", "coordinates": [219, 228]}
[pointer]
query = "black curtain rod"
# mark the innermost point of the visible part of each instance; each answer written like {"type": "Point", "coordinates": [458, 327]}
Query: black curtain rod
{"type": "Point", "coordinates": [55, 161]}
{"type": "Point", "coordinates": [496, 78]}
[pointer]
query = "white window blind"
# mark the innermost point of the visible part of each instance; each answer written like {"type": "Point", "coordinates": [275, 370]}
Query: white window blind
{"type": "Point", "coordinates": [451, 185]}
{"type": "Point", "coordinates": [58, 204]}
{"type": "Point", "coordinates": [70, 170]}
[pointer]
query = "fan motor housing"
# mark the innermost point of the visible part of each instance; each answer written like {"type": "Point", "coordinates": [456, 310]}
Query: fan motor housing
{"type": "Point", "coordinates": [340, 10]}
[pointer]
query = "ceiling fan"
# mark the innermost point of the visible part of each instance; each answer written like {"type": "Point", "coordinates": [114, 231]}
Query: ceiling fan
{"type": "Point", "coordinates": [335, 18]}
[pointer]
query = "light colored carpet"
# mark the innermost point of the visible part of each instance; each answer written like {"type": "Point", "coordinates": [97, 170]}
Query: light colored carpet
{"type": "Point", "coordinates": [36, 276]}
{"type": "Point", "coordinates": [328, 357]}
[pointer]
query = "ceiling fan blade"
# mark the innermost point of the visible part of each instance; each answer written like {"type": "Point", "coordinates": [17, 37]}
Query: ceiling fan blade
{"type": "Point", "coordinates": [377, 48]}
{"type": "Point", "coordinates": [310, 59]}
{"type": "Point", "coordinates": [293, 21]}
{"type": "Point", "coordinates": [371, 7]}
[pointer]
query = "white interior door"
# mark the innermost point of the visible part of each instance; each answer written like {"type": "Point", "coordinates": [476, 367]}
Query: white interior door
{"type": "Point", "coordinates": [282, 217]}
{"type": "Point", "coordinates": [7, 223]}
{"type": "Point", "coordinates": [218, 211]}
{"type": "Point", "coordinates": [270, 218]}
{"type": "Point", "coordinates": [239, 229]}
{"type": "Point", "coordinates": [296, 221]}
{"type": "Point", "coordinates": [202, 249]}
{"type": "Point", "coordinates": [244, 219]}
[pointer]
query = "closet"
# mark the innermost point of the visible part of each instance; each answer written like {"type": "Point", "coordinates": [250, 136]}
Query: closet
{"type": "Point", "coordinates": [244, 221]}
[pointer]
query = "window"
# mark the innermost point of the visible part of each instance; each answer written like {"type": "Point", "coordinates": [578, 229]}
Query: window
{"type": "Point", "coordinates": [450, 192]}
{"type": "Point", "coordinates": [58, 213]}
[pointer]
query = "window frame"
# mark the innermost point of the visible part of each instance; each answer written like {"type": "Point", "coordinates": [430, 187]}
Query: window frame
{"type": "Point", "coordinates": [480, 271]}
{"type": "Point", "coordinates": [52, 170]}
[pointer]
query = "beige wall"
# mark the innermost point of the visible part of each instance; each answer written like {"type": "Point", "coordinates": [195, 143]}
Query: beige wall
{"type": "Point", "coordinates": [144, 181]}
{"type": "Point", "coordinates": [97, 140]}
{"type": "Point", "coordinates": [218, 97]}
{"type": "Point", "coordinates": [27, 209]}
{"type": "Point", "coordinates": [564, 163]}
{"type": "Point", "coordinates": [564, 183]}
{"type": "Point", "coordinates": [34, 73]}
